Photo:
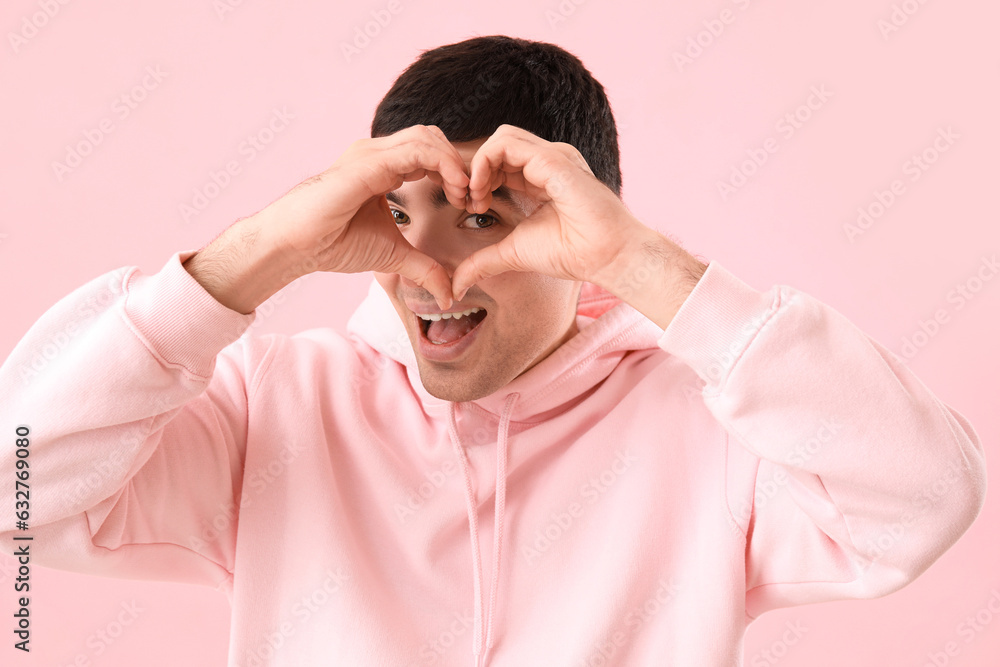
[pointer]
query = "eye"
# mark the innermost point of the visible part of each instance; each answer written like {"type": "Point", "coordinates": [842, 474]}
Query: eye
{"type": "Point", "coordinates": [399, 217]}
{"type": "Point", "coordinates": [480, 221]}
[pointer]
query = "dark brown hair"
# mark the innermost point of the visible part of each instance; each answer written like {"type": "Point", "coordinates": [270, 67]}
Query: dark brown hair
{"type": "Point", "coordinates": [470, 88]}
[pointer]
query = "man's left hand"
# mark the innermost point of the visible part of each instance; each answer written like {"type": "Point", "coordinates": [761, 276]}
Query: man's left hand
{"type": "Point", "coordinates": [580, 229]}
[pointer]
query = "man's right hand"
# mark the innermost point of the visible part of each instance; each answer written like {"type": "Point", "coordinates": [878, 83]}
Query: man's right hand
{"type": "Point", "coordinates": [336, 221]}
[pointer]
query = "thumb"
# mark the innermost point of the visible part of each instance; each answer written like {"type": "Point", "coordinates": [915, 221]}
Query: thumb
{"type": "Point", "coordinates": [482, 264]}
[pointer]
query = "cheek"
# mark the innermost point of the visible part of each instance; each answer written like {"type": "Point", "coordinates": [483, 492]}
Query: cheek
{"type": "Point", "coordinates": [533, 302]}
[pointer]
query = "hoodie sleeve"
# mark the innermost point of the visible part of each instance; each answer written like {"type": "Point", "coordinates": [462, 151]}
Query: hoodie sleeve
{"type": "Point", "coordinates": [863, 478]}
{"type": "Point", "coordinates": [137, 414]}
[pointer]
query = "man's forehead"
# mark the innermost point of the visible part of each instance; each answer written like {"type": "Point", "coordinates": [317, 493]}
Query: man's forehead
{"type": "Point", "coordinates": [467, 149]}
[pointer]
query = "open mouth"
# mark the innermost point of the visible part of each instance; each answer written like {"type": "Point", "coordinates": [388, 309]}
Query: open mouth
{"type": "Point", "coordinates": [449, 328]}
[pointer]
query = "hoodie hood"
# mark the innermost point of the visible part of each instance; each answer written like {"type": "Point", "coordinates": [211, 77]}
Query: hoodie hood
{"type": "Point", "coordinates": [608, 330]}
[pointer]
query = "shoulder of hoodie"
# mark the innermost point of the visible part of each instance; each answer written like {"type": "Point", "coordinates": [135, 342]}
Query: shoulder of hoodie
{"type": "Point", "coordinates": [303, 354]}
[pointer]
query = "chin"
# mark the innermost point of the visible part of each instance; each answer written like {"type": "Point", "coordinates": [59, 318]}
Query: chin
{"type": "Point", "coordinates": [446, 390]}
{"type": "Point", "coordinates": [457, 386]}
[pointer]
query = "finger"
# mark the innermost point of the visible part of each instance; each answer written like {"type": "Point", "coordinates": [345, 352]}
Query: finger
{"type": "Point", "coordinates": [492, 156]}
{"type": "Point", "coordinates": [424, 271]}
{"type": "Point", "coordinates": [483, 203]}
{"type": "Point", "coordinates": [427, 150]}
{"type": "Point", "coordinates": [455, 190]}
{"type": "Point", "coordinates": [484, 263]}
{"type": "Point", "coordinates": [414, 162]}
{"type": "Point", "coordinates": [456, 196]}
{"type": "Point", "coordinates": [534, 167]}
{"type": "Point", "coordinates": [513, 180]}
{"type": "Point", "coordinates": [407, 261]}
{"type": "Point", "coordinates": [484, 167]}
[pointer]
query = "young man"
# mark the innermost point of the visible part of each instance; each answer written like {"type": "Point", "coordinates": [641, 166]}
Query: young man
{"type": "Point", "coordinates": [550, 437]}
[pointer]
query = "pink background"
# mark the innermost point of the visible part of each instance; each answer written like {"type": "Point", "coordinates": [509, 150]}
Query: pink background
{"type": "Point", "coordinates": [684, 129]}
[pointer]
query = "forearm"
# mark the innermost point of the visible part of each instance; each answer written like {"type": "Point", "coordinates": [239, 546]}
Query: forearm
{"type": "Point", "coordinates": [132, 349]}
{"type": "Point", "coordinates": [140, 393]}
{"type": "Point", "coordinates": [846, 455]}
{"type": "Point", "coordinates": [245, 264]}
{"type": "Point", "coordinates": [654, 275]}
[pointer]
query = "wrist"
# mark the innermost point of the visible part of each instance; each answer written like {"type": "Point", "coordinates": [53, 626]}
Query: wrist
{"type": "Point", "coordinates": [246, 264]}
{"type": "Point", "coordinates": [654, 275]}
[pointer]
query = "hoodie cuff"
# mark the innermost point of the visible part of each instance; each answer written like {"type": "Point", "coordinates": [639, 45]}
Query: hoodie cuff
{"type": "Point", "coordinates": [716, 323]}
{"type": "Point", "coordinates": [178, 320]}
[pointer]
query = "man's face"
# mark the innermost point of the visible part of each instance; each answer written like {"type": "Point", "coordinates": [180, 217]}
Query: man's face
{"type": "Point", "coordinates": [522, 316]}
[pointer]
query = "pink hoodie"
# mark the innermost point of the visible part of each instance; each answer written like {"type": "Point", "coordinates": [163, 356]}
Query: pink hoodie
{"type": "Point", "coordinates": [637, 498]}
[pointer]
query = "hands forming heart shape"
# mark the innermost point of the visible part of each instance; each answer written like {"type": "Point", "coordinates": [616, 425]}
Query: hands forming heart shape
{"type": "Point", "coordinates": [576, 229]}
{"type": "Point", "coordinates": [342, 218]}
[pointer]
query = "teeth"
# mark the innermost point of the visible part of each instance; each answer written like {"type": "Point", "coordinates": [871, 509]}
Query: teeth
{"type": "Point", "coordinates": [434, 317]}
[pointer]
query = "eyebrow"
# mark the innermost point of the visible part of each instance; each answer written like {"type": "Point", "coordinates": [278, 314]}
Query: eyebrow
{"type": "Point", "coordinates": [439, 200]}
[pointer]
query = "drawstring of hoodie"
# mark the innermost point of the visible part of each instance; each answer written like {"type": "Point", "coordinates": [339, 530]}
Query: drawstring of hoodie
{"type": "Point", "coordinates": [481, 645]}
